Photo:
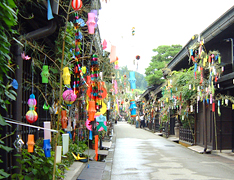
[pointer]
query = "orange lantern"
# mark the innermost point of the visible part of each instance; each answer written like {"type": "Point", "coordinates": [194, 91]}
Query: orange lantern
{"type": "Point", "coordinates": [64, 119]}
{"type": "Point", "coordinates": [91, 110]}
{"type": "Point", "coordinates": [30, 143]}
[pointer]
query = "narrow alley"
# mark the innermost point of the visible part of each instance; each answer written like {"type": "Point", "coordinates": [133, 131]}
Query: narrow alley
{"type": "Point", "coordinates": [140, 154]}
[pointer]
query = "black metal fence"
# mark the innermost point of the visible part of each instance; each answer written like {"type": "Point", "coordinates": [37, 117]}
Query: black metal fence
{"type": "Point", "coordinates": [186, 135]}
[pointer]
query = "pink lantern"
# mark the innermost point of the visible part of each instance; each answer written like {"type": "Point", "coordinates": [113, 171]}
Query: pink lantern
{"type": "Point", "coordinates": [31, 115]}
{"type": "Point", "coordinates": [76, 4]}
{"type": "Point", "coordinates": [104, 44]}
{"type": "Point", "coordinates": [113, 54]}
{"type": "Point", "coordinates": [91, 22]}
{"type": "Point", "coordinates": [69, 96]}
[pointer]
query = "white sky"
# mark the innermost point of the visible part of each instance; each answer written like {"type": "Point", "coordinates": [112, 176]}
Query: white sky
{"type": "Point", "coordinates": [156, 22]}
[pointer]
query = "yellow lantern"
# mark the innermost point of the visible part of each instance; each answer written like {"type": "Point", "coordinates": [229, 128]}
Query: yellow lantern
{"type": "Point", "coordinates": [66, 76]}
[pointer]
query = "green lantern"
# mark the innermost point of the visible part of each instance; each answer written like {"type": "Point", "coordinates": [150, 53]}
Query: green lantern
{"type": "Point", "coordinates": [45, 74]}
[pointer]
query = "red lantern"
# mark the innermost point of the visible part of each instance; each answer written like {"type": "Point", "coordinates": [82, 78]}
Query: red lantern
{"type": "Point", "coordinates": [76, 4]}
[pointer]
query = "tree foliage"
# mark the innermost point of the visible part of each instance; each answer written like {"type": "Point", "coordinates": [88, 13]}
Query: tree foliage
{"type": "Point", "coordinates": [164, 54]}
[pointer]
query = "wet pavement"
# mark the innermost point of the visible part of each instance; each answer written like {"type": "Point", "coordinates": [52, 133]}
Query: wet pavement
{"type": "Point", "coordinates": [142, 155]}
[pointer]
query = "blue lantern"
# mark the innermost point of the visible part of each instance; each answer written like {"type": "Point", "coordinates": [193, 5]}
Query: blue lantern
{"type": "Point", "coordinates": [47, 147]}
{"type": "Point", "coordinates": [132, 80]}
{"type": "Point", "coordinates": [133, 108]}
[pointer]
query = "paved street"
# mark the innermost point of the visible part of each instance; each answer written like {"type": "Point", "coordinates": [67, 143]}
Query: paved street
{"type": "Point", "coordinates": [140, 154]}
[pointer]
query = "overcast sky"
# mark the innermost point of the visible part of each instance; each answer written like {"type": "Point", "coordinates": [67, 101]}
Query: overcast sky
{"type": "Point", "coordinates": [156, 22]}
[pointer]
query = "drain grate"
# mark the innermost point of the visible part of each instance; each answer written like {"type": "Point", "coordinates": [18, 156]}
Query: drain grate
{"type": "Point", "coordinates": [169, 145]}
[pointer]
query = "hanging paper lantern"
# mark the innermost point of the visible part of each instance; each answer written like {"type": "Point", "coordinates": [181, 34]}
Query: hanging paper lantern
{"type": "Point", "coordinates": [45, 74]}
{"type": "Point", "coordinates": [91, 110]}
{"type": "Point", "coordinates": [69, 97]}
{"type": "Point", "coordinates": [138, 57]}
{"type": "Point", "coordinates": [133, 108]}
{"type": "Point", "coordinates": [30, 142]}
{"type": "Point", "coordinates": [64, 119]}
{"type": "Point", "coordinates": [76, 4]}
{"type": "Point", "coordinates": [91, 23]}
{"type": "Point", "coordinates": [113, 54]}
{"type": "Point", "coordinates": [31, 115]}
{"type": "Point", "coordinates": [66, 76]}
{"type": "Point", "coordinates": [96, 16]}
{"type": "Point", "coordinates": [47, 133]}
{"type": "Point", "coordinates": [47, 147]}
{"type": "Point", "coordinates": [132, 80]}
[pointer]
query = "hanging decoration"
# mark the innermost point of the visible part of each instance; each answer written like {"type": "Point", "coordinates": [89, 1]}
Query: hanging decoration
{"type": "Point", "coordinates": [30, 143]}
{"type": "Point", "coordinates": [47, 133]}
{"type": "Point", "coordinates": [91, 22]}
{"type": "Point", "coordinates": [14, 84]}
{"type": "Point", "coordinates": [69, 96]}
{"type": "Point", "coordinates": [91, 110]}
{"type": "Point", "coordinates": [31, 115]}
{"type": "Point", "coordinates": [58, 154]}
{"type": "Point", "coordinates": [132, 80]}
{"type": "Point", "coordinates": [113, 54]}
{"type": "Point", "coordinates": [64, 119]}
{"type": "Point", "coordinates": [133, 31]}
{"type": "Point", "coordinates": [66, 76]}
{"type": "Point", "coordinates": [96, 147]}
{"type": "Point", "coordinates": [133, 108]}
{"type": "Point", "coordinates": [49, 11]}
{"type": "Point", "coordinates": [47, 147]}
{"type": "Point", "coordinates": [18, 143]}
{"type": "Point", "coordinates": [97, 91]}
{"type": "Point", "coordinates": [45, 74]}
{"type": "Point", "coordinates": [65, 139]}
{"type": "Point", "coordinates": [104, 44]}
{"type": "Point", "coordinates": [76, 4]}
{"type": "Point", "coordinates": [25, 57]}
{"type": "Point", "coordinates": [101, 120]}
{"type": "Point", "coordinates": [117, 63]}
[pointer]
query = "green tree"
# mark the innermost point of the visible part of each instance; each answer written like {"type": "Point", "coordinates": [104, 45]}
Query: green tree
{"type": "Point", "coordinates": [164, 54]}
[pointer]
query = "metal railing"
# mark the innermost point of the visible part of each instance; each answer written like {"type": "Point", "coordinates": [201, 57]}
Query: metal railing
{"type": "Point", "coordinates": [186, 135]}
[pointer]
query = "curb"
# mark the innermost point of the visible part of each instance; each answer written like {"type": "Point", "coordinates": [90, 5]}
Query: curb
{"type": "Point", "coordinates": [109, 160]}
